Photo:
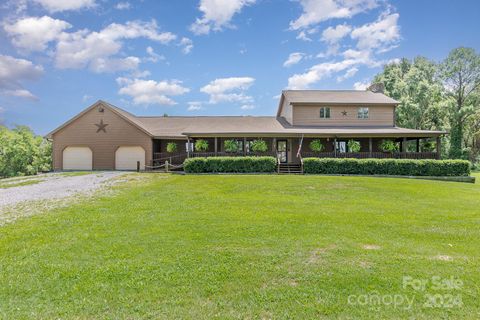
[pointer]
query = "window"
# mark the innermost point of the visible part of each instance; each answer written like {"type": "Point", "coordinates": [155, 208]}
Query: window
{"type": "Point", "coordinates": [362, 113]}
{"type": "Point", "coordinates": [341, 146]}
{"type": "Point", "coordinates": [189, 146]}
{"type": "Point", "coordinates": [325, 112]}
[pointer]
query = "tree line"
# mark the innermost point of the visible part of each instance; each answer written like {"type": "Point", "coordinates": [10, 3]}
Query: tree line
{"type": "Point", "coordinates": [23, 153]}
{"type": "Point", "coordinates": [439, 96]}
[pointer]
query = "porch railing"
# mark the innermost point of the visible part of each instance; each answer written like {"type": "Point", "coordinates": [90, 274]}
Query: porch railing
{"type": "Point", "coordinates": [376, 155]}
{"type": "Point", "coordinates": [178, 158]}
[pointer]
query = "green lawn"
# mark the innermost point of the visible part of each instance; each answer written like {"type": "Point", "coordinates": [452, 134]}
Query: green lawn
{"type": "Point", "coordinates": [251, 247]}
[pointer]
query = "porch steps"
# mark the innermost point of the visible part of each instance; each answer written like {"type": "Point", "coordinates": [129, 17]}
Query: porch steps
{"type": "Point", "coordinates": [289, 168]}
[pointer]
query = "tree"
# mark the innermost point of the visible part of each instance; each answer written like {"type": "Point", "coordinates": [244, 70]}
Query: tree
{"type": "Point", "coordinates": [416, 86]}
{"type": "Point", "coordinates": [23, 153]}
{"type": "Point", "coordinates": [460, 72]}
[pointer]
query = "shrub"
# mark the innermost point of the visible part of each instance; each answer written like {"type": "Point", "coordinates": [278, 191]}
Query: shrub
{"type": "Point", "coordinates": [171, 147]}
{"type": "Point", "coordinates": [230, 145]}
{"type": "Point", "coordinates": [201, 145]}
{"type": "Point", "coordinates": [259, 146]}
{"type": "Point", "coordinates": [353, 146]}
{"type": "Point", "coordinates": [388, 146]}
{"type": "Point", "coordinates": [400, 167]}
{"type": "Point", "coordinates": [316, 145]}
{"type": "Point", "coordinates": [230, 165]}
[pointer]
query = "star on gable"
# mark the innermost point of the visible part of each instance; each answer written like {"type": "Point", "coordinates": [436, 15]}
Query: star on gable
{"type": "Point", "coordinates": [101, 126]}
{"type": "Point", "coordinates": [344, 113]}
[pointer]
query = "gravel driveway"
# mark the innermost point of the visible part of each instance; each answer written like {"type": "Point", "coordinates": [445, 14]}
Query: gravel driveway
{"type": "Point", "coordinates": [54, 187]}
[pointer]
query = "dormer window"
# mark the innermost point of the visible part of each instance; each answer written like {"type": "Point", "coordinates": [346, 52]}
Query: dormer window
{"type": "Point", "coordinates": [363, 113]}
{"type": "Point", "coordinates": [325, 113]}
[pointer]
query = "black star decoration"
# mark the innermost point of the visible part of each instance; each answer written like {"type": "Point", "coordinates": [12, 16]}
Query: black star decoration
{"type": "Point", "coordinates": [344, 113]}
{"type": "Point", "coordinates": [101, 126]}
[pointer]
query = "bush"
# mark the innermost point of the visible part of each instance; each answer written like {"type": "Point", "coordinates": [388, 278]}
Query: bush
{"type": "Point", "coordinates": [316, 145]}
{"type": "Point", "coordinates": [388, 146]}
{"type": "Point", "coordinates": [230, 165]}
{"type": "Point", "coordinates": [171, 147]}
{"type": "Point", "coordinates": [400, 167]}
{"type": "Point", "coordinates": [259, 146]}
{"type": "Point", "coordinates": [201, 145]}
{"type": "Point", "coordinates": [353, 146]}
{"type": "Point", "coordinates": [230, 145]}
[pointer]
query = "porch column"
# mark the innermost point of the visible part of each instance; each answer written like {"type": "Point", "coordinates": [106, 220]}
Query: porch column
{"type": "Point", "coordinates": [216, 146]}
{"type": "Point", "coordinates": [370, 147]}
{"type": "Point", "coordinates": [418, 145]}
{"type": "Point", "coordinates": [439, 147]}
{"type": "Point", "coordinates": [244, 146]}
{"type": "Point", "coordinates": [274, 146]}
{"type": "Point", "coordinates": [404, 145]}
{"type": "Point", "coordinates": [188, 147]}
{"type": "Point", "coordinates": [335, 147]}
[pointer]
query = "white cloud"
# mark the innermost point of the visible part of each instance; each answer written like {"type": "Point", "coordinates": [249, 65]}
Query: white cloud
{"type": "Point", "coordinates": [371, 39]}
{"type": "Point", "coordinates": [123, 6]}
{"type": "Point", "coordinates": [333, 35]}
{"type": "Point", "coordinates": [316, 11]}
{"type": "Point", "coordinates": [229, 89]}
{"type": "Point", "coordinates": [150, 91]}
{"type": "Point", "coordinates": [33, 33]}
{"type": "Point", "coordinates": [95, 49]}
{"type": "Point", "coordinates": [247, 107]}
{"type": "Point", "coordinates": [361, 85]}
{"type": "Point", "coordinates": [217, 14]}
{"type": "Point", "coordinates": [350, 73]}
{"type": "Point", "coordinates": [293, 58]}
{"type": "Point", "coordinates": [13, 72]}
{"type": "Point", "coordinates": [187, 45]}
{"type": "Point", "coordinates": [378, 34]}
{"type": "Point", "coordinates": [64, 5]}
{"type": "Point", "coordinates": [194, 106]}
{"type": "Point", "coordinates": [153, 56]}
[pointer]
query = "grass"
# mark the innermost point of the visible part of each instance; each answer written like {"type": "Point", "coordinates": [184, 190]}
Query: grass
{"type": "Point", "coordinates": [19, 183]}
{"type": "Point", "coordinates": [267, 246]}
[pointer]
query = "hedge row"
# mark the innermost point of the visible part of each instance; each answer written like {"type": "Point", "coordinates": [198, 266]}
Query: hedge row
{"type": "Point", "coordinates": [230, 164]}
{"type": "Point", "coordinates": [398, 167]}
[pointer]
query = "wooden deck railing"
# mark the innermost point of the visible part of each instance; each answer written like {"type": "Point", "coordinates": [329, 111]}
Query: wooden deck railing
{"type": "Point", "coordinates": [179, 157]}
{"type": "Point", "coordinates": [376, 155]}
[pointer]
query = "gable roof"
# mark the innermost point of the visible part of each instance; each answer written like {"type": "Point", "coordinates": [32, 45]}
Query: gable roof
{"type": "Point", "coordinates": [360, 97]}
{"type": "Point", "coordinates": [127, 116]}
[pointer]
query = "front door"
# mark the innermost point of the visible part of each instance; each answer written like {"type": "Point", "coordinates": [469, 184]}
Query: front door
{"type": "Point", "coordinates": [282, 152]}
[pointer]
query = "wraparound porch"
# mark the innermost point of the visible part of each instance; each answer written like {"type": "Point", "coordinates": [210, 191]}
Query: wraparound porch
{"type": "Point", "coordinates": [286, 149]}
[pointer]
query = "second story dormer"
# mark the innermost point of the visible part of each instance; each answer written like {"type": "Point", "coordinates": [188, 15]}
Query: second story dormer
{"type": "Point", "coordinates": [337, 108]}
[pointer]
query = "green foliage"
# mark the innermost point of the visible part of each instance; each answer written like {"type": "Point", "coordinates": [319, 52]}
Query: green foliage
{"type": "Point", "coordinates": [388, 146]}
{"type": "Point", "coordinates": [259, 145]}
{"type": "Point", "coordinates": [460, 72]}
{"type": "Point", "coordinates": [171, 147]}
{"type": "Point", "coordinates": [387, 167]}
{"type": "Point", "coordinates": [353, 146]}
{"type": "Point", "coordinates": [201, 145]}
{"type": "Point", "coordinates": [418, 89]}
{"type": "Point", "coordinates": [231, 145]}
{"type": "Point", "coordinates": [316, 145]}
{"type": "Point", "coordinates": [230, 165]}
{"type": "Point", "coordinates": [23, 153]}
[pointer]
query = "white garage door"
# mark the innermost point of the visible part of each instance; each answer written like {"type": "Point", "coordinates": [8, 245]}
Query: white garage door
{"type": "Point", "coordinates": [126, 158]}
{"type": "Point", "coordinates": [77, 158]}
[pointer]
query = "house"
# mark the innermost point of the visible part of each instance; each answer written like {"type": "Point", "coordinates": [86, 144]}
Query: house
{"type": "Point", "coordinates": [105, 137]}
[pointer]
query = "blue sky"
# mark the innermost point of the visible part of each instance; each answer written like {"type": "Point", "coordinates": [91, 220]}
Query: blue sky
{"type": "Point", "coordinates": [207, 57]}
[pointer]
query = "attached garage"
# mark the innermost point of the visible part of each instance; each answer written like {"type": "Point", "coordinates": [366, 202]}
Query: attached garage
{"type": "Point", "coordinates": [77, 158]}
{"type": "Point", "coordinates": [126, 158]}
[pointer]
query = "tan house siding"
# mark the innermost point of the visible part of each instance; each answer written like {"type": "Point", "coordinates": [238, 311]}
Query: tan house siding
{"type": "Point", "coordinates": [286, 111]}
{"type": "Point", "coordinates": [379, 115]}
{"type": "Point", "coordinates": [83, 132]}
